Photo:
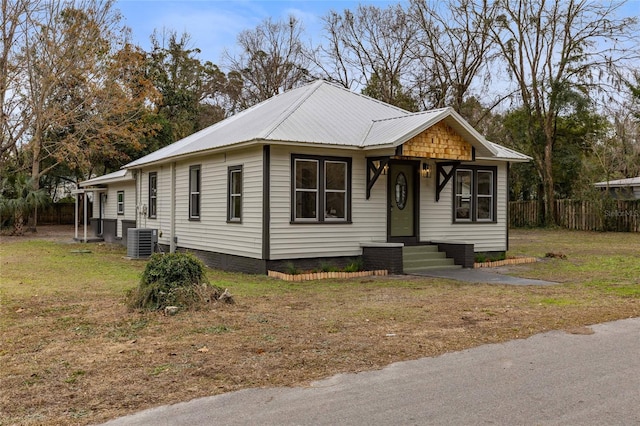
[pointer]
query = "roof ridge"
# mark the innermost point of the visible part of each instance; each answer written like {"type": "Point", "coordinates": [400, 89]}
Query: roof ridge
{"type": "Point", "coordinates": [369, 98]}
{"type": "Point", "coordinates": [412, 114]}
{"type": "Point", "coordinates": [309, 90]}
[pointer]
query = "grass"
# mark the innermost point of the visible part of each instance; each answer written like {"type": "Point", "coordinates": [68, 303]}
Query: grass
{"type": "Point", "coordinates": [71, 353]}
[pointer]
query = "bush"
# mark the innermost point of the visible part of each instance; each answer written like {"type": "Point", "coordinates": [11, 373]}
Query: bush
{"type": "Point", "coordinates": [175, 279]}
{"type": "Point", "coordinates": [356, 265]}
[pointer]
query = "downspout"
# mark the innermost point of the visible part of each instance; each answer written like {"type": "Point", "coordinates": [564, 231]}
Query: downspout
{"type": "Point", "coordinates": [172, 210]}
{"type": "Point", "coordinates": [136, 175]}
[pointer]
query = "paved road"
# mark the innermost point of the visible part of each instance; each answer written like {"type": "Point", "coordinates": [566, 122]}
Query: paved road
{"type": "Point", "coordinates": [553, 378]}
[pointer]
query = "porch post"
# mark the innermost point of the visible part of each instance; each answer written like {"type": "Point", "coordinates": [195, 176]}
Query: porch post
{"type": "Point", "coordinates": [85, 216]}
{"type": "Point", "coordinates": [75, 215]}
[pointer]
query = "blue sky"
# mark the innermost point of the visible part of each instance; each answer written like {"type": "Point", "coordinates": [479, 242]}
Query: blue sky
{"type": "Point", "coordinates": [214, 24]}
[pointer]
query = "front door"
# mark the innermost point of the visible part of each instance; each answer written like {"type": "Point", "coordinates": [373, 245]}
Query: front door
{"type": "Point", "coordinates": [402, 225]}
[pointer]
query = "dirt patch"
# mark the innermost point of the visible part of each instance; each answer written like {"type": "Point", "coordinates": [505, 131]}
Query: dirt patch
{"type": "Point", "coordinates": [57, 233]}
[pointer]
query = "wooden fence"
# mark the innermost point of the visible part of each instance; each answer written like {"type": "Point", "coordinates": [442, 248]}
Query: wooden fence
{"type": "Point", "coordinates": [57, 214]}
{"type": "Point", "coordinates": [601, 215]}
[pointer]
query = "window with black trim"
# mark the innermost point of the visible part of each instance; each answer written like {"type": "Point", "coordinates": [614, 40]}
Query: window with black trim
{"type": "Point", "coordinates": [120, 196]}
{"type": "Point", "coordinates": [194, 192]}
{"type": "Point", "coordinates": [153, 195]}
{"type": "Point", "coordinates": [321, 189]}
{"type": "Point", "coordinates": [234, 199]}
{"type": "Point", "coordinates": [474, 194]}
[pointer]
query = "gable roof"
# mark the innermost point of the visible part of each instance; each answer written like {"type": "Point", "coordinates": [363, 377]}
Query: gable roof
{"type": "Point", "coordinates": [635, 181]}
{"type": "Point", "coordinates": [320, 113]}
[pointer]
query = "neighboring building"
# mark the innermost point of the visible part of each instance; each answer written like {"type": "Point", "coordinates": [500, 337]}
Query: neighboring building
{"type": "Point", "coordinates": [317, 174]}
{"type": "Point", "coordinates": [625, 189]}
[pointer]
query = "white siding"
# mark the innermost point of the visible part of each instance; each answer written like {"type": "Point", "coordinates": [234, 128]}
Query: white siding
{"type": "Point", "coordinates": [162, 221]}
{"type": "Point", "coordinates": [297, 240]}
{"type": "Point", "coordinates": [111, 207]}
{"type": "Point", "coordinates": [436, 218]}
{"type": "Point", "coordinates": [212, 232]}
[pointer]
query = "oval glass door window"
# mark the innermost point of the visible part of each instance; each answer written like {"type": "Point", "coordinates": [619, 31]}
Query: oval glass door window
{"type": "Point", "coordinates": [401, 191]}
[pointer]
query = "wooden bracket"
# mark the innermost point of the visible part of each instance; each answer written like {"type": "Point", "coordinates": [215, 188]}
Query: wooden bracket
{"type": "Point", "coordinates": [375, 167]}
{"type": "Point", "coordinates": [446, 176]}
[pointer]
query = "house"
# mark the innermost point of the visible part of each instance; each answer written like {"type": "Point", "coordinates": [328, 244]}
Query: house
{"type": "Point", "coordinates": [626, 189]}
{"type": "Point", "coordinates": [315, 175]}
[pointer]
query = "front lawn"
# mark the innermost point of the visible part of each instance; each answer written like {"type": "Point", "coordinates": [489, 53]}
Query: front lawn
{"type": "Point", "coordinates": [72, 354]}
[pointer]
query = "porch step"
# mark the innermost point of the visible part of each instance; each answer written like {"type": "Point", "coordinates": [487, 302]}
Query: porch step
{"type": "Point", "coordinates": [416, 259]}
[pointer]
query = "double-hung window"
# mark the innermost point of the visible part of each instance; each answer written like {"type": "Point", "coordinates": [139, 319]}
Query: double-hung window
{"type": "Point", "coordinates": [194, 192]}
{"type": "Point", "coordinates": [234, 202]}
{"type": "Point", "coordinates": [321, 189]}
{"type": "Point", "coordinates": [153, 195]}
{"type": "Point", "coordinates": [484, 189]}
{"type": "Point", "coordinates": [120, 195]}
{"type": "Point", "coordinates": [335, 190]}
{"type": "Point", "coordinates": [474, 198]}
{"type": "Point", "coordinates": [464, 198]}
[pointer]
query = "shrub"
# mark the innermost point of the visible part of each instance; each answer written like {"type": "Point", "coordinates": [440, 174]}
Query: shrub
{"type": "Point", "coordinates": [356, 265]}
{"type": "Point", "coordinates": [291, 269]}
{"type": "Point", "coordinates": [175, 279]}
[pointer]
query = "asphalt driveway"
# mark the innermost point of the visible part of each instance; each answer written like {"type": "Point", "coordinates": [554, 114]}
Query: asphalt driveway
{"type": "Point", "coordinates": [588, 376]}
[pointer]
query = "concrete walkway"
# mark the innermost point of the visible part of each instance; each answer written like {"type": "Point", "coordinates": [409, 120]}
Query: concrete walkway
{"type": "Point", "coordinates": [481, 276]}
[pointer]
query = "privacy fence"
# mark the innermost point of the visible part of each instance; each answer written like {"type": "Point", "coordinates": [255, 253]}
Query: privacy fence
{"type": "Point", "coordinates": [601, 215]}
{"type": "Point", "coordinates": [56, 214]}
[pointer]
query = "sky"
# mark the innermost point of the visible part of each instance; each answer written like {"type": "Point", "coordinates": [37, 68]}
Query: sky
{"type": "Point", "coordinates": [215, 24]}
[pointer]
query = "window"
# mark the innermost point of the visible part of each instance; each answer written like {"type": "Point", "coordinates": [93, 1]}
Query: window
{"type": "Point", "coordinates": [306, 189]}
{"type": "Point", "coordinates": [335, 198]}
{"type": "Point", "coordinates": [474, 195]}
{"type": "Point", "coordinates": [463, 194]}
{"type": "Point", "coordinates": [153, 195]}
{"type": "Point", "coordinates": [484, 189]}
{"type": "Point", "coordinates": [194, 192]}
{"type": "Point", "coordinates": [120, 202]}
{"type": "Point", "coordinates": [234, 202]}
{"type": "Point", "coordinates": [321, 189]}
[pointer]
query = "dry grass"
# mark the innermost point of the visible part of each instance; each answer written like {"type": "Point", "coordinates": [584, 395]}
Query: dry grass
{"type": "Point", "coordinates": [72, 354]}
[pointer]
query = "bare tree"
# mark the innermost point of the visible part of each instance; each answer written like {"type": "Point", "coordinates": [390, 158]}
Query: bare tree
{"type": "Point", "coordinates": [272, 60]}
{"type": "Point", "coordinates": [369, 48]}
{"type": "Point", "coordinates": [551, 48]}
{"type": "Point", "coordinates": [15, 20]}
{"type": "Point", "coordinates": [74, 92]}
{"type": "Point", "coordinates": [453, 48]}
{"type": "Point", "coordinates": [83, 89]}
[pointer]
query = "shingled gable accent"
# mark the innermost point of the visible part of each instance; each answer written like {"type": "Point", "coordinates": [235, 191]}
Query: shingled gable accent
{"type": "Point", "coordinates": [439, 141]}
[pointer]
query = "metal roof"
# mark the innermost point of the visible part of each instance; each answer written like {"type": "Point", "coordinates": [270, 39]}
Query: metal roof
{"type": "Point", "coordinates": [635, 181]}
{"type": "Point", "coordinates": [118, 176]}
{"type": "Point", "coordinates": [507, 154]}
{"type": "Point", "coordinates": [319, 113]}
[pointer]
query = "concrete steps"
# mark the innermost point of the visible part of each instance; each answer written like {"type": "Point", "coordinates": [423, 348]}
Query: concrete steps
{"type": "Point", "coordinates": [416, 259]}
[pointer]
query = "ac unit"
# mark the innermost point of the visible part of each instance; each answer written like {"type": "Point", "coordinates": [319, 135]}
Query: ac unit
{"type": "Point", "coordinates": [141, 242]}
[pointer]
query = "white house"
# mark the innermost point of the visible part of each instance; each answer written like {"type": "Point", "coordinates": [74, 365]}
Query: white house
{"type": "Point", "coordinates": [317, 174]}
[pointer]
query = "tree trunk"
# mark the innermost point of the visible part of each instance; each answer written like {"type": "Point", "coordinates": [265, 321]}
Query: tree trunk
{"type": "Point", "coordinates": [549, 191]}
{"type": "Point", "coordinates": [18, 228]}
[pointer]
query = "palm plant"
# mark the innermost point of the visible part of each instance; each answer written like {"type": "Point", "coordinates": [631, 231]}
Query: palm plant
{"type": "Point", "coordinates": [18, 197]}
